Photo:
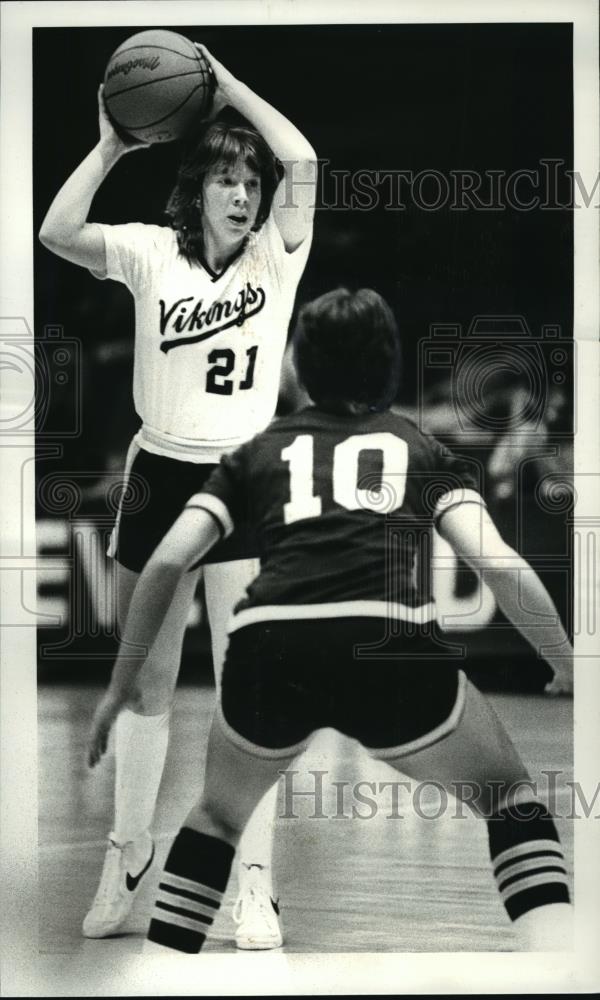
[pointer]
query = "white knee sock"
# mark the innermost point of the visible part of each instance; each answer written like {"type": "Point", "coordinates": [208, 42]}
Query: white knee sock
{"type": "Point", "coordinates": [140, 751]}
{"type": "Point", "coordinates": [256, 844]}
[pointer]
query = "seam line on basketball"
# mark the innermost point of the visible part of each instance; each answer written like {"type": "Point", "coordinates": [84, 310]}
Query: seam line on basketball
{"type": "Point", "coordinates": [163, 48]}
{"type": "Point", "coordinates": [136, 128]}
{"type": "Point", "coordinates": [148, 83]}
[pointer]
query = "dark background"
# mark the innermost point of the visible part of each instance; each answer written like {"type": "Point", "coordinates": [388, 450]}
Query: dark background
{"type": "Point", "coordinates": [388, 97]}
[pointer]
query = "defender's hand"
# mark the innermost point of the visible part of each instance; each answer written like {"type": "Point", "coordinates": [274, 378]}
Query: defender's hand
{"type": "Point", "coordinates": [104, 717]}
{"type": "Point", "coordinates": [562, 682]}
{"type": "Point", "coordinates": [107, 710]}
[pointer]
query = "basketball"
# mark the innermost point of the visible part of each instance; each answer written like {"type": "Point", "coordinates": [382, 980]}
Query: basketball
{"type": "Point", "coordinates": [156, 84]}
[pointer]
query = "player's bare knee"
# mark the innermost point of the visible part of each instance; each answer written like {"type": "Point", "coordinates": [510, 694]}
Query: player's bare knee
{"type": "Point", "coordinates": [471, 795]}
{"type": "Point", "coordinates": [519, 792]}
{"type": "Point", "coordinates": [486, 798]}
{"type": "Point", "coordinates": [210, 816]}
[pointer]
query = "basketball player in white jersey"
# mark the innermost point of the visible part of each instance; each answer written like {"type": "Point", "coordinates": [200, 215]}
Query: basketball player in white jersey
{"type": "Point", "coordinates": [214, 292]}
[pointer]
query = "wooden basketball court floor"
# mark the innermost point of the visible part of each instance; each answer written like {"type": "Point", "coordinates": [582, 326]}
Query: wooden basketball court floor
{"type": "Point", "coordinates": [397, 881]}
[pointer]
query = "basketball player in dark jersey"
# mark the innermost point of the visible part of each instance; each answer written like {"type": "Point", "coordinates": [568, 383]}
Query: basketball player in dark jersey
{"type": "Point", "coordinates": [339, 628]}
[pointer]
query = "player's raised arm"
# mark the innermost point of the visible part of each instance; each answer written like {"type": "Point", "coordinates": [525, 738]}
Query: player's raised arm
{"type": "Point", "coordinates": [516, 586]}
{"type": "Point", "coordinates": [65, 230]}
{"type": "Point", "coordinates": [192, 535]}
{"type": "Point", "coordinates": [294, 201]}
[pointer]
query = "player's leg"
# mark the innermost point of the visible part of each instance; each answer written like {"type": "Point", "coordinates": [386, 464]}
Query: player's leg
{"type": "Point", "coordinates": [156, 489]}
{"type": "Point", "coordinates": [477, 763]}
{"type": "Point", "coordinates": [141, 740]}
{"type": "Point", "coordinates": [255, 914]}
{"type": "Point", "coordinates": [197, 869]}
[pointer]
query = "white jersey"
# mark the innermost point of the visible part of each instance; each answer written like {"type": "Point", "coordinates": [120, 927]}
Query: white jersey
{"type": "Point", "coordinates": [208, 348]}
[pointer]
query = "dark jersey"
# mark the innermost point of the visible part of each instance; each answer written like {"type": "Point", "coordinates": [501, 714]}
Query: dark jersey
{"type": "Point", "coordinates": [343, 506]}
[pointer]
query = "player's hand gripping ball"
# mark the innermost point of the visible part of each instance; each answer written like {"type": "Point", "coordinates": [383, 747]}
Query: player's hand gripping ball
{"type": "Point", "coordinates": [156, 85]}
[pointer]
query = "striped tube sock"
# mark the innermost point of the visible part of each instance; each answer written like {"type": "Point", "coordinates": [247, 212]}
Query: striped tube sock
{"type": "Point", "coordinates": [529, 866]}
{"type": "Point", "coordinates": [190, 891]}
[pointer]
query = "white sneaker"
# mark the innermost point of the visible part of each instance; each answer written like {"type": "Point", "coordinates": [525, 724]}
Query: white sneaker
{"type": "Point", "coordinates": [124, 866]}
{"type": "Point", "coordinates": [255, 912]}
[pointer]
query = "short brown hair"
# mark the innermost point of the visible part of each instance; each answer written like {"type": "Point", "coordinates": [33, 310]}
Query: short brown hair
{"type": "Point", "coordinates": [217, 143]}
{"type": "Point", "coordinates": [347, 349]}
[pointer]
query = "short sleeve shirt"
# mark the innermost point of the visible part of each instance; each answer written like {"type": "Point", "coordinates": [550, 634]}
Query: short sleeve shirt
{"type": "Point", "coordinates": [208, 347]}
{"type": "Point", "coordinates": [343, 506]}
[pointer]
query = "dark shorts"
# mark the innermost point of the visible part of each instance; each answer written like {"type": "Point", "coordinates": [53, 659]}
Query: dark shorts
{"type": "Point", "coordinates": [159, 490]}
{"type": "Point", "coordinates": [282, 680]}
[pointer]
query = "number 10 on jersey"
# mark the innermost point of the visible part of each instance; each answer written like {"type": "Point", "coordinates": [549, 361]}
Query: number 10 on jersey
{"type": "Point", "coordinates": [381, 497]}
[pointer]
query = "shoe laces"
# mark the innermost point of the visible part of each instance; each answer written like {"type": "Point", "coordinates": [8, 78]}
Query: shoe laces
{"type": "Point", "coordinates": [250, 902]}
{"type": "Point", "coordinates": [111, 872]}
{"type": "Point", "coordinates": [253, 898]}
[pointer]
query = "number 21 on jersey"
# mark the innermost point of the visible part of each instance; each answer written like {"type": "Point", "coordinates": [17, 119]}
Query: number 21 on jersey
{"type": "Point", "coordinates": [223, 363]}
{"type": "Point", "coordinates": [382, 497]}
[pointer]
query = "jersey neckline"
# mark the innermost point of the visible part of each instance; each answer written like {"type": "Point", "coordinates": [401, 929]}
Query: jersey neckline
{"type": "Point", "coordinates": [215, 275]}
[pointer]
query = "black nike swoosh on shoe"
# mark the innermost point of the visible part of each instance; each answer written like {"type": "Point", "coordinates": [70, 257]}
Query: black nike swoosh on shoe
{"type": "Point", "coordinates": [275, 905]}
{"type": "Point", "coordinates": [132, 881]}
